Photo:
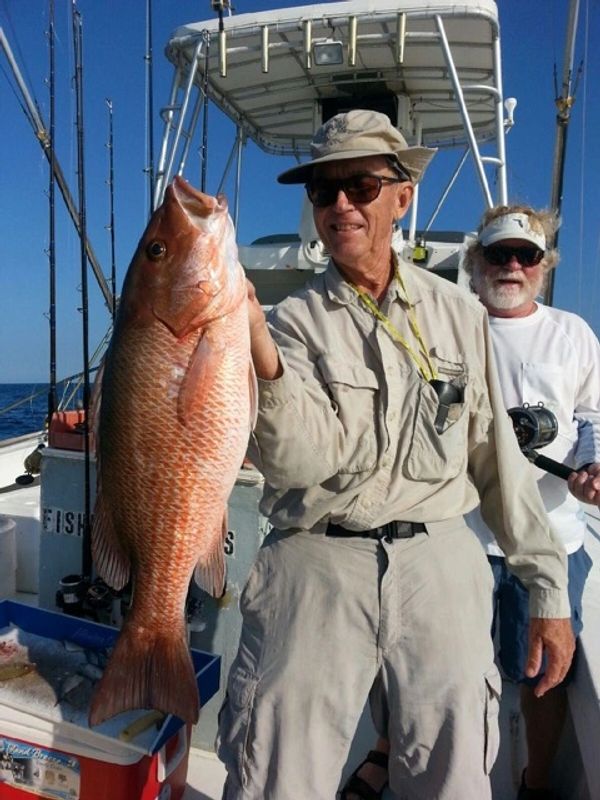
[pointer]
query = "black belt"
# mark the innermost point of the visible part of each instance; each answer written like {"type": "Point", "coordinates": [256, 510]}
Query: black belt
{"type": "Point", "coordinates": [396, 529]}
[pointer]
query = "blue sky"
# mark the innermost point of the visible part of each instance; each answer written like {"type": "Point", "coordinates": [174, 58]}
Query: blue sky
{"type": "Point", "coordinates": [533, 34]}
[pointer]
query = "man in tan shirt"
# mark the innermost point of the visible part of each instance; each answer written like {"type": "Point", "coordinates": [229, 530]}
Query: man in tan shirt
{"type": "Point", "coordinates": [380, 424]}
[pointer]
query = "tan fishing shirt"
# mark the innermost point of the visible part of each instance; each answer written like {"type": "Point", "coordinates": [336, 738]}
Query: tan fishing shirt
{"type": "Point", "coordinates": [347, 432]}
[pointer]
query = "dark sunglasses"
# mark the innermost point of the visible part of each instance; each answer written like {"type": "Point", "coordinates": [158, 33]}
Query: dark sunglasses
{"type": "Point", "coordinates": [362, 188]}
{"type": "Point", "coordinates": [499, 255]}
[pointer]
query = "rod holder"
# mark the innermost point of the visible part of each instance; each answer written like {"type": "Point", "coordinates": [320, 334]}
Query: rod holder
{"type": "Point", "coordinates": [222, 54]}
{"type": "Point", "coordinates": [264, 34]}
{"type": "Point", "coordinates": [307, 27]}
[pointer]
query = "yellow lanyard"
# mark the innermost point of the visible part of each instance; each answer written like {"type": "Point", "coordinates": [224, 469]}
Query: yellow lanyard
{"type": "Point", "coordinates": [423, 361]}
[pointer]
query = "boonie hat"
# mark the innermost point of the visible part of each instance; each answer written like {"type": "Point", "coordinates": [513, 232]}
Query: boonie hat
{"type": "Point", "coordinates": [356, 134]}
{"type": "Point", "coordinates": [511, 226]}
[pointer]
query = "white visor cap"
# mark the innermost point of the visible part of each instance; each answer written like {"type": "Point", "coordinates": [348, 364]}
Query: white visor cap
{"type": "Point", "coordinates": [511, 226]}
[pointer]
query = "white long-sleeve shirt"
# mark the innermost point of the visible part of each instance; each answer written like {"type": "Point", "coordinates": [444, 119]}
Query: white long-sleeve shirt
{"type": "Point", "coordinates": [553, 357]}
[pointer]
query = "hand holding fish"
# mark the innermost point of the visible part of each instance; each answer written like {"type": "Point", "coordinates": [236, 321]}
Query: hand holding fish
{"type": "Point", "coordinates": [264, 353]}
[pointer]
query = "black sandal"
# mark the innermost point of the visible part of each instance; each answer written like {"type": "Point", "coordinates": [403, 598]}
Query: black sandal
{"type": "Point", "coordinates": [358, 786]}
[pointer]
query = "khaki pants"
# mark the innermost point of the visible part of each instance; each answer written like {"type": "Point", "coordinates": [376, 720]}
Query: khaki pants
{"type": "Point", "coordinates": [328, 621]}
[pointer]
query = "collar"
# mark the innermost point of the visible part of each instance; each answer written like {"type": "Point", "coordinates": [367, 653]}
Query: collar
{"type": "Point", "coordinates": [339, 291]}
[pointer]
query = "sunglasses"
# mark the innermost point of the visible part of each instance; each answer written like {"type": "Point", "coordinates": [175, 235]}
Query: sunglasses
{"type": "Point", "coordinates": [499, 255]}
{"type": "Point", "coordinates": [362, 188]}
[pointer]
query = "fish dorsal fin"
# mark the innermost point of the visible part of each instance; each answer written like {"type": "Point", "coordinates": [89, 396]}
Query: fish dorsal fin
{"type": "Point", "coordinates": [210, 571]}
{"type": "Point", "coordinates": [200, 377]}
{"type": "Point", "coordinates": [253, 387]}
{"type": "Point", "coordinates": [111, 562]}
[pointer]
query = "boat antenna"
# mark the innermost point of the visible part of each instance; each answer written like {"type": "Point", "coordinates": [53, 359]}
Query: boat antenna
{"type": "Point", "coordinates": [52, 224]}
{"type": "Point", "coordinates": [111, 204]}
{"type": "Point", "coordinates": [149, 104]}
{"type": "Point", "coordinates": [564, 103]}
{"type": "Point", "coordinates": [78, 48]}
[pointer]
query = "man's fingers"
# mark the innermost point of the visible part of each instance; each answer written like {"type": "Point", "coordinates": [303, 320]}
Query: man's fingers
{"type": "Point", "coordinates": [554, 674]}
{"type": "Point", "coordinates": [585, 485]}
{"type": "Point", "coordinates": [534, 658]}
{"type": "Point", "coordinates": [555, 636]}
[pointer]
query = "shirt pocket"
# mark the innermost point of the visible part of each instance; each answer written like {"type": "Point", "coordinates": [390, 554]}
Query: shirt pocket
{"type": "Point", "coordinates": [546, 383]}
{"type": "Point", "coordinates": [354, 392]}
{"type": "Point", "coordinates": [433, 456]}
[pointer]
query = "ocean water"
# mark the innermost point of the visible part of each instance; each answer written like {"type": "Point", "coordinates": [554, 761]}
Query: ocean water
{"type": "Point", "coordinates": [30, 413]}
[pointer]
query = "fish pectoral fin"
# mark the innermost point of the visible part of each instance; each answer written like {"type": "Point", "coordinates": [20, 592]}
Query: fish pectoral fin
{"type": "Point", "coordinates": [210, 571]}
{"type": "Point", "coordinates": [253, 387]}
{"type": "Point", "coordinates": [200, 377]}
{"type": "Point", "coordinates": [111, 562]}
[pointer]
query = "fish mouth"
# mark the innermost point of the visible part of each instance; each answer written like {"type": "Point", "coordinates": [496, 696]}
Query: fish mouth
{"type": "Point", "coordinates": [195, 203]}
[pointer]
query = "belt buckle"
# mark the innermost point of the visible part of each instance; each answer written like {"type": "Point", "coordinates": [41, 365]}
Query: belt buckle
{"type": "Point", "coordinates": [396, 529]}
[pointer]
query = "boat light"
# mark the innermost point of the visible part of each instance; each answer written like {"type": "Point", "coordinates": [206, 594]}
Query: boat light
{"type": "Point", "coordinates": [328, 52]}
{"type": "Point", "coordinates": [510, 104]}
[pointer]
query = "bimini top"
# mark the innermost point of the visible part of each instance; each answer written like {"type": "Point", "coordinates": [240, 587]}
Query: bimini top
{"type": "Point", "coordinates": [396, 56]}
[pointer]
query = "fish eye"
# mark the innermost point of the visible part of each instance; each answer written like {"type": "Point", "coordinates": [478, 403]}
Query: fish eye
{"type": "Point", "coordinates": [156, 250]}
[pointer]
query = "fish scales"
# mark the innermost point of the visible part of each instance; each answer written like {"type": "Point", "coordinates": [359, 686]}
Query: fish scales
{"type": "Point", "coordinates": [178, 396]}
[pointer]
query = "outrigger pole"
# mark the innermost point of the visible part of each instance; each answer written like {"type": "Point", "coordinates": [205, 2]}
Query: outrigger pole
{"type": "Point", "coordinates": [43, 138]}
{"type": "Point", "coordinates": [564, 103]}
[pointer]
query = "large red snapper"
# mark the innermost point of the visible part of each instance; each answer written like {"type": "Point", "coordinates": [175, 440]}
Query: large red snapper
{"type": "Point", "coordinates": [178, 394]}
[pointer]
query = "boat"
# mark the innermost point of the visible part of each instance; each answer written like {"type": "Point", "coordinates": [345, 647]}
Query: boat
{"type": "Point", "coordinates": [274, 75]}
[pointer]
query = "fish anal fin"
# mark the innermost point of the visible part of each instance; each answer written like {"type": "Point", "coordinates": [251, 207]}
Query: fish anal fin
{"type": "Point", "coordinates": [200, 377]}
{"type": "Point", "coordinates": [210, 572]}
{"type": "Point", "coordinates": [148, 671]}
{"type": "Point", "coordinates": [111, 562]}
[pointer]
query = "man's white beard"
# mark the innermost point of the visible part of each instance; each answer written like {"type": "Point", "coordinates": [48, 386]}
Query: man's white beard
{"type": "Point", "coordinates": [504, 296]}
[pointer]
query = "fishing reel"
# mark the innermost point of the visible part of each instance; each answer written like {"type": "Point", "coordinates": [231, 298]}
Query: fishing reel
{"type": "Point", "coordinates": [78, 596]}
{"type": "Point", "coordinates": [536, 427]}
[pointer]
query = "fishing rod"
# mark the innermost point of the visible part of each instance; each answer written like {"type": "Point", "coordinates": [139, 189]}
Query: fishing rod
{"type": "Point", "coordinates": [52, 226]}
{"type": "Point", "coordinates": [41, 133]}
{"type": "Point", "coordinates": [149, 103]}
{"type": "Point", "coordinates": [204, 146]}
{"type": "Point", "coordinates": [111, 203]}
{"type": "Point", "coordinates": [78, 50]}
{"type": "Point", "coordinates": [564, 103]}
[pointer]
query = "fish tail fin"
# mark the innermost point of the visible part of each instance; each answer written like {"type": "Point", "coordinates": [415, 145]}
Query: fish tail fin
{"type": "Point", "coordinates": [147, 671]}
{"type": "Point", "coordinates": [210, 573]}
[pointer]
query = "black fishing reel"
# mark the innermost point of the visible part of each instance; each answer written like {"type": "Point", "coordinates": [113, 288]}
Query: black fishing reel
{"type": "Point", "coordinates": [78, 596]}
{"type": "Point", "coordinates": [535, 427]}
